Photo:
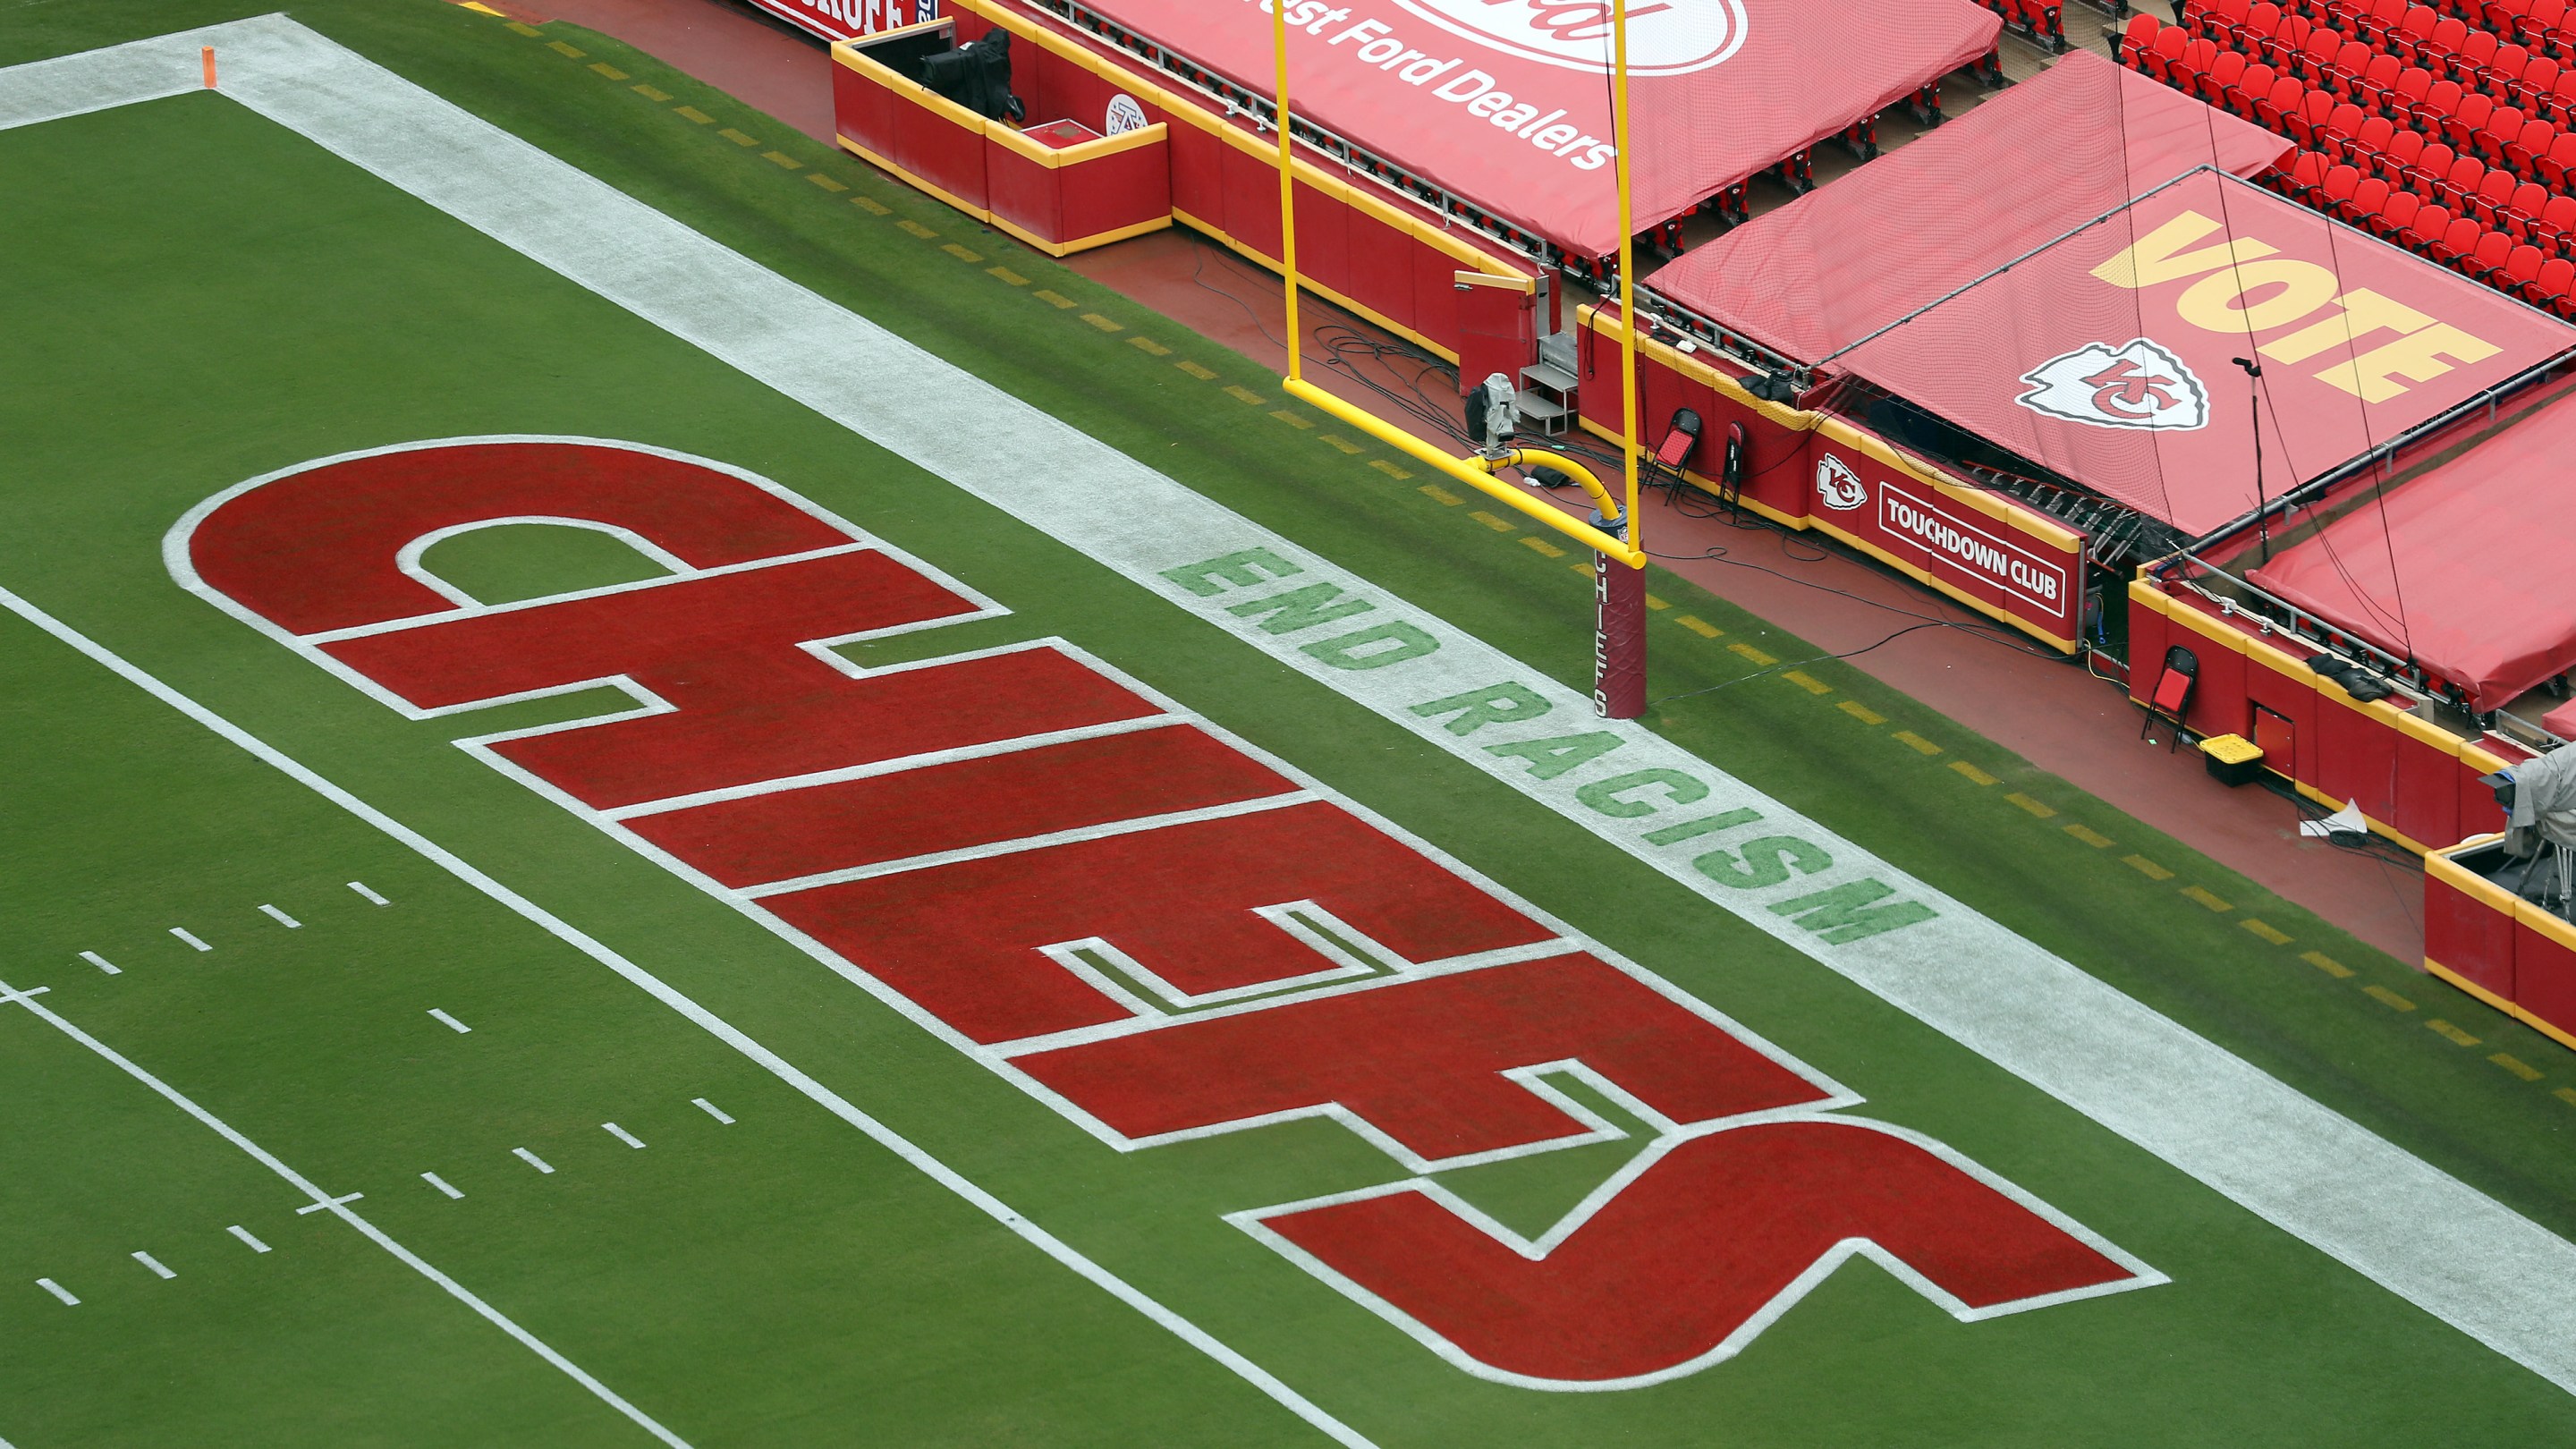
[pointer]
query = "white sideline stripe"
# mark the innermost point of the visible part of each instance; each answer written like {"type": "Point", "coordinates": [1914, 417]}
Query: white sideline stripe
{"type": "Point", "coordinates": [184, 934]}
{"type": "Point", "coordinates": [370, 896]}
{"type": "Point", "coordinates": [436, 1181]}
{"type": "Point", "coordinates": [101, 962]}
{"type": "Point", "coordinates": [724, 1031]}
{"type": "Point", "coordinates": [532, 1159]}
{"type": "Point", "coordinates": [153, 1263]}
{"type": "Point", "coordinates": [621, 1134]}
{"type": "Point", "coordinates": [328, 1203]}
{"type": "Point", "coordinates": [59, 1291]}
{"type": "Point", "coordinates": [282, 918]}
{"type": "Point", "coordinates": [2492, 1273]}
{"type": "Point", "coordinates": [338, 1207]}
{"type": "Point", "coordinates": [243, 1233]}
{"type": "Point", "coordinates": [1028, 843]}
{"type": "Point", "coordinates": [711, 1109]}
{"type": "Point", "coordinates": [451, 1023]}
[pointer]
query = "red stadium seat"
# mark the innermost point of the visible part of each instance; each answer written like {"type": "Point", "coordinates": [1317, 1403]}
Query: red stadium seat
{"type": "Point", "coordinates": [2394, 215]}
{"type": "Point", "coordinates": [2336, 134]}
{"type": "Point", "coordinates": [2460, 183]}
{"type": "Point", "coordinates": [2378, 21]}
{"type": "Point", "coordinates": [2503, 74]}
{"type": "Point", "coordinates": [2456, 241]}
{"type": "Point", "coordinates": [2535, 24]}
{"type": "Point", "coordinates": [2404, 149]}
{"type": "Point", "coordinates": [2550, 169]}
{"type": "Point", "coordinates": [2557, 223]}
{"type": "Point", "coordinates": [2550, 285]}
{"type": "Point", "coordinates": [2504, 124]}
{"type": "Point", "coordinates": [2464, 120]}
{"type": "Point", "coordinates": [2425, 175]}
{"type": "Point", "coordinates": [2369, 142]}
{"type": "Point", "coordinates": [2275, 110]}
{"type": "Point", "coordinates": [2164, 54]}
{"type": "Point", "coordinates": [2526, 148]}
{"type": "Point", "coordinates": [2489, 203]}
{"type": "Point", "coordinates": [2306, 124]}
{"type": "Point", "coordinates": [2440, 100]}
{"type": "Point", "coordinates": [2224, 73]}
{"type": "Point", "coordinates": [2442, 43]}
{"type": "Point", "coordinates": [2171, 701]}
{"type": "Point", "coordinates": [2244, 97]}
{"type": "Point", "coordinates": [2351, 60]}
{"type": "Point", "coordinates": [2335, 192]}
{"type": "Point", "coordinates": [2486, 255]}
{"type": "Point", "coordinates": [2533, 91]}
{"type": "Point", "coordinates": [2197, 57]}
{"type": "Point", "coordinates": [2522, 210]}
{"type": "Point", "coordinates": [2499, 15]}
{"type": "Point", "coordinates": [2469, 59]}
{"type": "Point", "coordinates": [2521, 268]}
{"type": "Point", "coordinates": [2425, 230]}
{"type": "Point", "coordinates": [2413, 84]}
{"type": "Point", "coordinates": [2366, 200]}
{"type": "Point", "coordinates": [2138, 39]}
{"type": "Point", "coordinates": [2300, 181]}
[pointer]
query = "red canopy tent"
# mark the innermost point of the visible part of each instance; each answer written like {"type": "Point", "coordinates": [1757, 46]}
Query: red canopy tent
{"type": "Point", "coordinates": [2108, 356]}
{"type": "Point", "coordinates": [1507, 102]}
{"type": "Point", "coordinates": [2033, 163]}
{"type": "Point", "coordinates": [2464, 569]}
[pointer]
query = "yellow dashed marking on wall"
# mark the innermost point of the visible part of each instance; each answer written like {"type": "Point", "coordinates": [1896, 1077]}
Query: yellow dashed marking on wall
{"type": "Point", "coordinates": [738, 138]}
{"type": "Point", "coordinates": [781, 158]}
{"type": "Point", "coordinates": [1542, 546]}
{"type": "Point", "coordinates": [560, 48]}
{"type": "Point", "coordinates": [1804, 680]}
{"type": "Point", "coordinates": [2266, 930]}
{"type": "Point", "coordinates": [2449, 1033]}
{"type": "Point", "coordinates": [1148, 345]}
{"type": "Point", "coordinates": [1438, 494]}
{"type": "Point", "coordinates": [2089, 835]}
{"type": "Point", "coordinates": [613, 73]}
{"type": "Point", "coordinates": [1861, 712]}
{"type": "Point", "coordinates": [828, 184]}
{"type": "Point", "coordinates": [532, 30]}
{"type": "Point", "coordinates": [1291, 419]}
{"type": "Point", "coordinates": [1490, 521]}
{"type": "Point", "coordinates": [2202, 895]}
{"type": "Point", "coordinates": [1748, 651]}
{"type": "Point", "coordinates": [1658, 605]}
{"type": "Point", "coordinates": [2389, 998]}
{"type": "Point", "coordinates": [1916, 743]}
{"type": "Point", "coordinates": [1973, 775]}
{"type": "Point", "coordinates": [1342, 444]}
{"type": "Point", "coordinates": [703, 119]}
{"type": "Point", "coordinates": [2036, 809]}
{"type": "Point", "coordinates": [1698, 625]}
{"type": "Point", "coordinates": [925, 233]}
{"type": "Point", "coordinates": [1235, 390]}
{"type": "Point", "coordinates": [867, 204]}
{"type": "Point", "coordinates": [1390, 470]}
{"type": "Point", "coordinates": [2517, 1066]}
{"type": "Point", "coordinates": [1009, 276]}
{"type": "Point", "coordinates": [657, 96]}
{"type": "Point", "coordinates": [1107, 324]}
{"type": "Point", "coordinates": [2146, 867]}
{"type": "Point", "coordinates": [1057, 300]}
{"type": "Point", "coordinates": [2326, 964]}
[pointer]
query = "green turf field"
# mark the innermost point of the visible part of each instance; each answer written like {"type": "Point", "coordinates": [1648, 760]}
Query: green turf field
{"type": "Point", "coordinates": [196, 296]}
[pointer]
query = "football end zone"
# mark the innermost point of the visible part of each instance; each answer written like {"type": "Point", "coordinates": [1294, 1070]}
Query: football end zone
{"type": "Point", "coordinates": [1273, 950]}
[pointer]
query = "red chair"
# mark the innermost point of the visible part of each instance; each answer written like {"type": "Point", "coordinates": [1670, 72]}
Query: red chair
{"type": "Point", "coordinates": [2300, 181]}
{"type": "Point", "coordinates": [2351, 60]}
{"type": "Point", "coordinates": [2522, 209]}
{"type": "Point", "coordinates": [2425, 230]}
{"type": "Point", "coordinates": [2404, 149]}
{"type": "Point", "coordinates": [2218, 19]}
{"type": "Point", "coordinates": [2502, 76]}
{"type": "Point", "coordinates": [2336, 135]}
{"type": "Point", "coordinates": [2138, 39]}
{"type": "Point", "coordinates": [2394, 215]}
{"type": "Point", "coordinates": [2376, 78]}
{"type": "Point", "coordinates": [2366, 200]}
{"type": "Point", "coordinates": [2532, 90]}
{"type": "Point", "coordinates": [2504, 123]}
{"type": "Point", "coordinates": [2550, 168]}
{"type": "Point", "coordinates": [2521, 268]}
{"type": "Point", "coordinates": [2171, 699]}
{"type": "Point", "coordinates": [2369, 142]}
{"type": "Point", "coordinates": [2306, 124]}
{"type": "Point", "coordinates": [2246, 95]}
{"type": "Point", "coordinates": [2561, 100]}
{"type": "Point", "coordinates": [2413, 84]}
{"type": "Point", "coordinates": [2224, 73]}
{"type": "Point", "coordinates": [2471, 56]}
{"type": "Point", "coordinates": [2335, 192]}
{"type": "Point", "coordinates": [2556, 223]}
{"type": "Point", "coordinates": [2494, 195]}
{"type": "Point", "coordinates": [2442, 43]}
{"type": "Point", "coordinates": [2164, 54]}
{"type": "Point", "coordinates": [2549, 287]}
{"type": "Point", "coordinates": [2499, 15]}
{"type": "Point", "coordinates": [2456, 241]}
{"type": "Point", "coordinates": [2486, 254]}
{"type": "Point", "coordinates": [2527, 146]}
{"type": "Point", "coordinates": [2464, 120]}
{"type": "Point", "coordinates": [2425, 176]}
{"type": "Point", "coordinates": [2538, 24]}
{"type": "Point", "coordinates": [2440, 100]}
{"type": "Point", "coordinates": [2378, 21]}
{"type": "Point", "coordinates": [2458, 184]}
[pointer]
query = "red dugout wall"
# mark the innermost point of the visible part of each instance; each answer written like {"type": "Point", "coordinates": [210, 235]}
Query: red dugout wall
{"type": "Point", "coordinates": [2508, 953]}
{"type": "Point", "coordinates": [1816, 471]}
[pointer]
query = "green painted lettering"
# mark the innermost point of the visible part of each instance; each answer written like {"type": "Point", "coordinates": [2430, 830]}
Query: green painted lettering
{"type": "Point", "coordinates": [1550, 758]}
{"type": "Point", "coordinates": [1355, 650]}
{"type": "Point", "coordinates": [1298, 609]}
{"type": "Point", "coordinates": [1238, 570]}
{"type": "Point", "coordinates": [1603, 795]}
{"type": "Point", "coordinates": [1705, 825]}
{"type": "Point", "coordinates": [1494, 704]}
{"type": "Point", "coordinates": [1766, 862]}
{"type": "Point", "coordinates": [1845, 913]}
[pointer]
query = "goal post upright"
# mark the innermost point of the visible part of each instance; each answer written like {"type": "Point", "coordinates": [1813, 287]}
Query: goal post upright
{"type": "Point", "coordinates": [1612, 535]}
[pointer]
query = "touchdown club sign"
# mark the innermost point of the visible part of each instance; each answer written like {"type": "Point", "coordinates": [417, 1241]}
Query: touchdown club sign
{"type": "Point", "coordinates": [1901, 518]}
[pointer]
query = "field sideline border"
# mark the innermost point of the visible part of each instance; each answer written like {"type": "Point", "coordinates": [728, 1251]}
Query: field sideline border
{"type": "Point", "coordinates": [2307, 1170]}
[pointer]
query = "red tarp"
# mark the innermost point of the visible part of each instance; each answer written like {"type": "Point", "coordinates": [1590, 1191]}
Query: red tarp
{"type": "Point", "coordinates": [2107, 356]}
{"type": "Point", "coordinates": [1507, 102]}
{"type": "Point", "coordinates": [2035, 162]}
{"type": "Point", "coordinates": [2478, 588]}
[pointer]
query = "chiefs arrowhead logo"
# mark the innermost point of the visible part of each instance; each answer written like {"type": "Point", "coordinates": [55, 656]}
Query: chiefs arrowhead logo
{"type": "Point", "coordinates": [2137, 386]}
{"type": "Point", "coordinates": [1837, 486]}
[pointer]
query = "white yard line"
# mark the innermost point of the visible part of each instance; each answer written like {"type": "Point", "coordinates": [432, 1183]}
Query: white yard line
{"type": "Point", "coordinates": [451, 1023]}
{"type": "Point", "coordinates": [321, 1201]}
{"type": "Point", "coordinates": [711, 1109]}
{"type": "Point", "coordinates": [436, 1181]}
{"type": "Point", "coordinates": [621, 1134]}
{"type": "Point", "coordinates": [369, 896]}
{"type": "Point", "coordinates": [101, 962]}
{"type": "Point", "coordinates": [2490, 1272]}
{"type": "Point", "coordinates": [243, 1233]}
{"type": "Point", "coordinates": [59, 1291]}
{"type": "Point", "coordinates": [153, 1263]}
{"type": "Point", "coordinates": [191, 937]}
{"type": "Point", "coordinates": [282, 918]}
{"type": "Point", "coordinates": [533, 1160]}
